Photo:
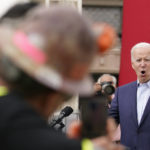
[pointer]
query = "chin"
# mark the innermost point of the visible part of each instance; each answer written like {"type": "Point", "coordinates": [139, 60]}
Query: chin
{"type": "Point", "coordinates": [142, 80]}
{"type": "Point", "coordinates": [146, 80]}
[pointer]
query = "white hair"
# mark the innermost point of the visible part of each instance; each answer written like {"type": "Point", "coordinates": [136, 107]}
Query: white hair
{"type": "Point", "coordinates": [139, 45]}
{"type": "Point", "coordinates": [113, 77]}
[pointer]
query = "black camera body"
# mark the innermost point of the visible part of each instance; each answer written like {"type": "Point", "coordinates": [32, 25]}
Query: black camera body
{"type": "Point", "coordinates": [107, 88]}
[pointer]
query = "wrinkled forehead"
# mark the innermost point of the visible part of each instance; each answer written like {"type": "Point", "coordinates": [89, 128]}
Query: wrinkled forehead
{"type": "Point", "coordinates": [141, 51]}
{"type": "Point", "coordinates": [141, 48]}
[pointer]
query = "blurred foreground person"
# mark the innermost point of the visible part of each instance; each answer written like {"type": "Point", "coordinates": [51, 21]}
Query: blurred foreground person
{"type": "Point", "coordinates": [12, 15]}
{"type": "Point", "coordinates": [43, 63]}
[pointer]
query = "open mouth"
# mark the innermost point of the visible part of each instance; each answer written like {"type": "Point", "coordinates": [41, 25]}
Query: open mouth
{"type": "Point", "coordinates": [143, 72]}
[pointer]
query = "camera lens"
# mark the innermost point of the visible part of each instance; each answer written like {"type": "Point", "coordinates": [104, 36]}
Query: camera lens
{"type": "Point", "coordinates": [107, 88]}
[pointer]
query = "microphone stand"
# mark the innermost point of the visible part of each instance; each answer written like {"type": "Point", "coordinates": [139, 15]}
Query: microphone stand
{"type": "Point", "coordinates": [62, 125]}
{"type": "Point", "coordinates": [59, 126]}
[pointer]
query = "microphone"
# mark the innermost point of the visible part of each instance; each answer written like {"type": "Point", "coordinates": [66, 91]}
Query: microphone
{"type": "Point", "coordinates": [64, 113]}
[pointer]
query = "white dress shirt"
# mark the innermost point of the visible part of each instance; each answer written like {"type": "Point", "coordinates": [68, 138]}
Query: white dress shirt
{"type": "Point", "coordinates": [143, 94]}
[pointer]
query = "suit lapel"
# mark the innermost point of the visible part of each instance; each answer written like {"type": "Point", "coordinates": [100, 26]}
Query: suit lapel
{"type": "Point", "coordinates": [134, 102]}
{"type": "Point", "coordinates": [146, 111]}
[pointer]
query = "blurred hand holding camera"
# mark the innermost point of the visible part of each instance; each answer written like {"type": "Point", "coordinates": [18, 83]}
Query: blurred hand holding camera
{"type": "Point", "coordinates": [106, 84]}
{"type": "Point", "coordinates": [97, 87]}
{"type": "Point", "coordinates": [105, 87]}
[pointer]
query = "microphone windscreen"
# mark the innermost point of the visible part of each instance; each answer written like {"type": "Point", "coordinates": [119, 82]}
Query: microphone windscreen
{"type": "Point", "coordinates": [67, 111]}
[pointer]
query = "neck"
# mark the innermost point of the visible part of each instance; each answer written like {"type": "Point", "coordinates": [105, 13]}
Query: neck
{"type": "Point", "coordinates": [45, 104]}
{"type": "Point", "coordinates": [38, 103]}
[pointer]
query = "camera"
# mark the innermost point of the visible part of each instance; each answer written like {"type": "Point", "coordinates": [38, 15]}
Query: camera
{"type": "Point", "coordinates": [107, 88]}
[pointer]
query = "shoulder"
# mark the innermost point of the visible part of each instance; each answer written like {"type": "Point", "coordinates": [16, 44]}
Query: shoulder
{"type": "Point", "coordinates": [16, 112]}
{"type": "Point", "coordinates": [127, 86]}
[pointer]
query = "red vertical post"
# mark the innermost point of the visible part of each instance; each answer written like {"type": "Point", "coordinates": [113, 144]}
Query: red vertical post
{"type": "Point", "coordinates": [136, 28]}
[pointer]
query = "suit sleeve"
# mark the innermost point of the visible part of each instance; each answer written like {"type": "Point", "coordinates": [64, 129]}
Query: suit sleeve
{"type": "Point", "coordinates": [114, 109]}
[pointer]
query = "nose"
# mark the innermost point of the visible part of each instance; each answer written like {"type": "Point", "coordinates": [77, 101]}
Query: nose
{"type": "Point", "coordinates": [143, 63]}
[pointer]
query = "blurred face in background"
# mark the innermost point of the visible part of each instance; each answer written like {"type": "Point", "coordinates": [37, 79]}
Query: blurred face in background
{"type": "Point", "coordinates": [106, 84]}
{"type": "Point", "coordinates": [108, 78]}
{"type": "Point", "coordinates": [140, 58]}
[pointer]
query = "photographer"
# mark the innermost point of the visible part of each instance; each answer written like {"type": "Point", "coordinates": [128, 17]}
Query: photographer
{"type": "Point", "coordinates": [107, 85]}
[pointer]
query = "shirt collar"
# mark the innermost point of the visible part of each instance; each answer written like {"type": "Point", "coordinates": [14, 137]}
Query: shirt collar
{"type": "Point", "coordinates": [148, 83]}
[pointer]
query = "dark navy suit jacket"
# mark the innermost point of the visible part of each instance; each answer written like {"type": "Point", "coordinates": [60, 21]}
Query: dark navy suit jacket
{"type": "Point", "coordinates": [124, 110]}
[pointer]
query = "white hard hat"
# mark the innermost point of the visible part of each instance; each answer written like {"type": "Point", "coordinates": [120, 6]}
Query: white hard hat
{"type": "Point", "coordinates": [55, 46]}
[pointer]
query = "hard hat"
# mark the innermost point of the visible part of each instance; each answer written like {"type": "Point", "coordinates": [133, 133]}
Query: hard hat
{"type": "Point", "coordinates": [54, 46]}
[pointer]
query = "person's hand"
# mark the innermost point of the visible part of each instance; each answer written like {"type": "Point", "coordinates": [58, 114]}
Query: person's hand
{"type": "Point", "coordinates": [97, 87]}
{"type": "Point", "coordinates": [105, 143]}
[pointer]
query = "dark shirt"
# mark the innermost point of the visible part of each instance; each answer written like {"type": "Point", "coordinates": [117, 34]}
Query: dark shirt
{"type": "Point", "coordinates": [22, 128]}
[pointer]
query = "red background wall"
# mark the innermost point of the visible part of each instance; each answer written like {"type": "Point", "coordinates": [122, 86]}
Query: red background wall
{"type": "Point", "coordinates": [136, 28]}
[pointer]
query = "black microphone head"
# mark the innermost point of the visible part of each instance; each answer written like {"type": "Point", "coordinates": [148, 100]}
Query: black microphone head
{"type": "Point", "coordinates": [66, 111]}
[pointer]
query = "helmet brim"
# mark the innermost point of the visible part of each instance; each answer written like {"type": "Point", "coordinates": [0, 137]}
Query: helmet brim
{"type": "Point", "coordinates": [39, 70]}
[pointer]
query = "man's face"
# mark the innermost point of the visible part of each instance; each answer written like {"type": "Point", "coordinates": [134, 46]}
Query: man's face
{"type": "Point", "coordinates": [107, 78]}
{"type": "Point", "coordinates": [141, 63]}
